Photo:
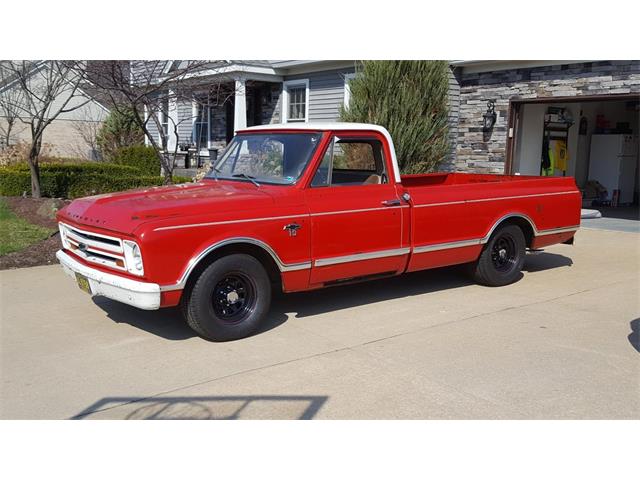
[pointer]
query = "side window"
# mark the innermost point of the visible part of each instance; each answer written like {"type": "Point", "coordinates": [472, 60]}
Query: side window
{"type": "Point", "coordinates": [352, 161]}
{"type": "Point", "coordinates": [323, 174]}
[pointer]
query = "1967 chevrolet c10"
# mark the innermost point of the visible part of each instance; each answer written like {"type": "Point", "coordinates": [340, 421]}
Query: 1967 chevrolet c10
{"type": "Point", "coordinates": [298, 207]}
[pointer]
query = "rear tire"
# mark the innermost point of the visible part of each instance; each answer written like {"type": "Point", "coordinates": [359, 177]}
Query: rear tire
{"type": "Point", "coordinates": [229, 299]}
{"type": "Point", "coordinates": [502, 258]}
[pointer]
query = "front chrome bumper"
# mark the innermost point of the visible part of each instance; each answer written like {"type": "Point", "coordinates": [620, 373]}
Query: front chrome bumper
{"type": "Point", "coordinates": [125, 290]}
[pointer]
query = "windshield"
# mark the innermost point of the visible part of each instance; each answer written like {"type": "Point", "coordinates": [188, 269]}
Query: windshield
{"type": "Point", "coordinates": [266, 157]}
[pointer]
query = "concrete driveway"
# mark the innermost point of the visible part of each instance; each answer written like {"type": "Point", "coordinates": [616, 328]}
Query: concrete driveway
{"type": "Point", "coordinates": [432, 345]}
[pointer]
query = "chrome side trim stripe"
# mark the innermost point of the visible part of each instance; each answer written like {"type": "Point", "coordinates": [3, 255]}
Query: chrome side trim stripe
{"type": "Point", "coordinates": [338, 212]}
{"type": "Point", "coordinates": [291, 267]}
{"type": "Point", "coordinates": [447, 245]}
{"type": "Point", "coordinates": [553, 231]}
{"type": "Point", "coordinates": [457, 202]}
{"type": "Point", "coordinates": [323, 262]}
{"type": "Point", "coordinates": [262, 219]}
{"type": "Point", "coordinates": [227, 222]}
{"type": "Point", "coordinates": [478, 200]}
{"type": "Point", "coordinates": [481, 241]}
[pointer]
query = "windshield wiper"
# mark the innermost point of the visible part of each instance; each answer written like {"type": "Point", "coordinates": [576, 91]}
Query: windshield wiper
{"type": "Point", "coordinates": [215, 171]}
{"type": "Point", "coordinates": [248, 177]}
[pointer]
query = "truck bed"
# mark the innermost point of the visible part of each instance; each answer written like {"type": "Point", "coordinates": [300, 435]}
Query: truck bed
{"type": "Point", "coordinates": [459, 211]}
{"type": "Point", "coordinates": [470, 186]}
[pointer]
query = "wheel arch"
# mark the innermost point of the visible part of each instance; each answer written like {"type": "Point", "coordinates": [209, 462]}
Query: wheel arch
{"type": "Point", "coordinates": [521, 220]}
{"type": "Point", "coordinates": [249, 246]}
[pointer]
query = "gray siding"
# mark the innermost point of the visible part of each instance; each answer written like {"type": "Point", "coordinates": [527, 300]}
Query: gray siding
{"type": "Point", "coordinates": [143, 71]}
{"type": "Point", "coordinates": [326, 93]}
{"type": "Point", "coordinates": [185, 121]}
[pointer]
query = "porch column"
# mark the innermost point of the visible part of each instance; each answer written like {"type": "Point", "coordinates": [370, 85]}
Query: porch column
{"type": "Point", "coordinates": [240, 105]}
{"type": "Point", "coordinates": [172, 121]}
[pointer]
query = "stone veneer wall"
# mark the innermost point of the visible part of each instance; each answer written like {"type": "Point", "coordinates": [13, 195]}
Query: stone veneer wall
{"type": "Point", "coordinates": [476, 152]}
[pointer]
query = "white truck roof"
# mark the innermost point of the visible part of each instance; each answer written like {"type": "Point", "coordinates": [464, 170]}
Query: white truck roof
{"type": "Point", "coordinates": [334, 126]}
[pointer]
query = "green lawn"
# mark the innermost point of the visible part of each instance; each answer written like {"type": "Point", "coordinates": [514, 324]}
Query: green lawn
{"type": "Point", "coordinates": [16, 233]}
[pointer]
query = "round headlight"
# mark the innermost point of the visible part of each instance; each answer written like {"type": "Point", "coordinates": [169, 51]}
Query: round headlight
{"type": "Point", "coordinates": [133, 257]}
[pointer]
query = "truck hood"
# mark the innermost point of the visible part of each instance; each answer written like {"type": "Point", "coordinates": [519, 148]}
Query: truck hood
{"type": "Point", "coordinates": [125, 211]}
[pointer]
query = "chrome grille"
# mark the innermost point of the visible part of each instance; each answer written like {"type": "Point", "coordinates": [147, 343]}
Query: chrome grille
{"type": "Point", "coordinates": [93, 247]}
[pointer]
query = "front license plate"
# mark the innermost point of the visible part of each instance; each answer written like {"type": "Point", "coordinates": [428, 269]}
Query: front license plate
{"type": "Point", "coordinates": [83, 283]}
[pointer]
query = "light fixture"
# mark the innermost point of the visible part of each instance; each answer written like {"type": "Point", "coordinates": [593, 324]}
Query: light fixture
{"type": "Point", "coordinates": [489, 117]}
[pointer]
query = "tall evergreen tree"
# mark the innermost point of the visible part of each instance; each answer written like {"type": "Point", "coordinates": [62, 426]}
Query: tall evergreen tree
{"type": "Point", "coordinates": [410, 99]}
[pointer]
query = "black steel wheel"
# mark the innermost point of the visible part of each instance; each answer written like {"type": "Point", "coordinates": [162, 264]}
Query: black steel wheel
{"type": "Point", "coordinates": [229, 299]}
{"type": "Point", "coordinates": [502, 258]}
{"type": "Point", "coordinates": [234, 297]}
{"type": "Point", "coordinates": [504, 252]}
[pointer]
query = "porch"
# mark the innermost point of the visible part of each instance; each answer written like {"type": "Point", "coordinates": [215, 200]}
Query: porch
{"type": "Point", "coordinates": [215, 113]}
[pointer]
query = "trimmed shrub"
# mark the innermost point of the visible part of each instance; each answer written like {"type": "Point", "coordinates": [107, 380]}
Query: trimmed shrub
{"type": "Point", "coordinates": [77, 180]}
{"type": "Point", "coordinates": [178, 179]}
{"type": "Point", "coordinates": [100, 183]}
{"type": "Point", "coordinates": [140, 157]}
{"type": "Point", "coordinates": [78, 168]}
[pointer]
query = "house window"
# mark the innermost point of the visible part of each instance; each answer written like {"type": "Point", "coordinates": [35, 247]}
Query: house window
{"type": "Point", "coordinates": [347, 88]}
{"type": "Point", "coordinates": [297, 103]}
{"type": "Point", "coordinates": [295, 100]}
{"type": "Point", "coordinates": [164, 116]}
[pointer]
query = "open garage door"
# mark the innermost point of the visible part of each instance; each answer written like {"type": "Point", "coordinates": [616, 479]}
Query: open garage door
{"type": "Point", "coordinates": [594, 139]}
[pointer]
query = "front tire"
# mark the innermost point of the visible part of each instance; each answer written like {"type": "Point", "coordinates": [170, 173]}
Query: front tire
{"type": "Point", "coordinates": [230, 298]}
{"type": "Point", "coordinates": [502, 258]}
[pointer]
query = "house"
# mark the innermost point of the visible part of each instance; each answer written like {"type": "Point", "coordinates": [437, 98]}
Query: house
{"type": "Point", "coordinates": [589, 110]}
{"type": "Point", "coordinates": [500, 114]}
{"type": "Point", "coordinates": [70, 134]}
{"type": "Point", "coordinates": [253, 93]}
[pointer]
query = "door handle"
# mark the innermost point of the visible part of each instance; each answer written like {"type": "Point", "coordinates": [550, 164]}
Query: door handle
{"type": "Point", "coordinates": [391, 203]}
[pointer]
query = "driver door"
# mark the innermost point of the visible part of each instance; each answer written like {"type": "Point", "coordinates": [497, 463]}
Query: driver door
{"type": "Point", "coordinates": [355, 211]}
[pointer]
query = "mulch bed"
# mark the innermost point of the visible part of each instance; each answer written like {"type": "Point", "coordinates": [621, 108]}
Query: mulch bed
{"type": "Point", "coordinates": [38, 211]}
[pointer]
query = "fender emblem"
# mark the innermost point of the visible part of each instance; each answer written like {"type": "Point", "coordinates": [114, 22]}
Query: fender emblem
{"type": "Point", "coordinates": [292, 228]}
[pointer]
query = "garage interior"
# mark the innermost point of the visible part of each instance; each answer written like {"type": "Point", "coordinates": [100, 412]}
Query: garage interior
{"type": "Point", "coordinates": [594, 140]}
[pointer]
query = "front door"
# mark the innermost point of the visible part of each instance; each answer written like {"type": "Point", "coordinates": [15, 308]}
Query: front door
{"type": "Point", "coordinates": [355, 212]}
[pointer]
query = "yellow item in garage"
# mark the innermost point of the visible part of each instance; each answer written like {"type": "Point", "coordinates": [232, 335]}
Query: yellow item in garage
{"type": "Point", "coordinates": [547, 172]}
{"type": "Point", "coordinates": [561, 155]}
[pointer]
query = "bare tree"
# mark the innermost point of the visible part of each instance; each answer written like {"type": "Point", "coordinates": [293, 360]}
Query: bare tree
{"type": "Point", "coordinates": [152, 89]}
{"type": "Point", "coordinates": [9, 99]}
{"type": "Point", "coordinates": [47, 89]}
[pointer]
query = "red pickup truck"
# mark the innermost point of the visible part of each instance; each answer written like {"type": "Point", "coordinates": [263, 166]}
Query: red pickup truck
{"type": "Point", "coordinates": [298, 207]}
